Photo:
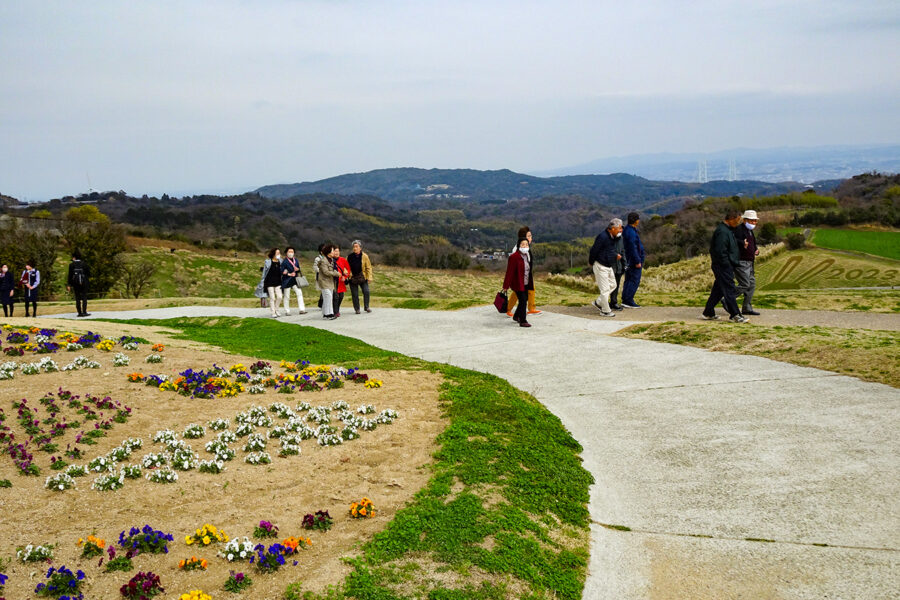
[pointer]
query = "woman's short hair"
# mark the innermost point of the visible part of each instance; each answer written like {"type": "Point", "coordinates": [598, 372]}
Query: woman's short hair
{"type": "Point", "coordinates": [289, 248]}
{"type": "Point", "coordinates": [521, 239]}
{"type": "Point", "coordinates": [272, 252]}
{"type": "Point", "coordinates": [76, 254]}
{"type": "Point", "coordinates": [523, 231]}
{"type": "Point", "coordinates": [355, 242]}
{"type": "Point", "coordinates": [327, 249]}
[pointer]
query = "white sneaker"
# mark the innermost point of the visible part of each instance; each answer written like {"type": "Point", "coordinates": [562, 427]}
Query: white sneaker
{"type": "Point", "coordinates": [287, 313]}
{"type": "Point", "coordinates": [707, 318]}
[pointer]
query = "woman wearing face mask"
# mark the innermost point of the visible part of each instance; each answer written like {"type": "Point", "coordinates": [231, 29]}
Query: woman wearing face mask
{"type": "Point", "coordinates": [7, 290]}
{"type": "Point", "coordinates": [272, 279]}
{"type": "Point", "coordinates": [290, 270]}
{"type": "Point", "coordinates": [519, 279]}
{"type": "Point", "coordinates": [31, 279]}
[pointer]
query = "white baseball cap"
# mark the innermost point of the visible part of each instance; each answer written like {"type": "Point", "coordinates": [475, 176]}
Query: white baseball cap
{"type": "Point", "coordinates": [750, 214]}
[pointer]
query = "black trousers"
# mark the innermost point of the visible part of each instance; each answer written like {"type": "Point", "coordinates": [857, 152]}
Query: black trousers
{"type": "Point", "coordinates": [8, 302]}
{"type": "Point", "coordinates": [723, 290]}
{"type": "Point", "coordinates": [614, 296]}
{"type": "Point", "coordinates": [522, 307]}
{"type": "Point", "coordinates": [354, 293]}
{"type": "Point", "coordinates": [336, 304]}
{"type": "Point", "coordinates": [80, 299]}
{"type": "Point", "coordinates": [33, 303]}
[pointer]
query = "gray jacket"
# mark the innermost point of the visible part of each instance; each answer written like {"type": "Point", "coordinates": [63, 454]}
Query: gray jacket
{"type": "Point", "coordinates": [325, 276]}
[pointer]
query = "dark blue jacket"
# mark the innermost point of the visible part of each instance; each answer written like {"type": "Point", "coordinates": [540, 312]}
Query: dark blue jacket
{"type": "Point", "coordinates": [604, 250]}
{"type": "Point", "coordinates": [634, 249]}
{"type": "Point", "coordinates": [289, 281]}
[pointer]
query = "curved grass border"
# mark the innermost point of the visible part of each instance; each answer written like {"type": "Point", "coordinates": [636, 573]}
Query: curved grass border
{"type": "Point", "coordinates": [505, 511]}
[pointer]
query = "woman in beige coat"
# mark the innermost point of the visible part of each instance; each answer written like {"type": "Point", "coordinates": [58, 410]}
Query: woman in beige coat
{"type": "Point", "coordinates": [325, 281]}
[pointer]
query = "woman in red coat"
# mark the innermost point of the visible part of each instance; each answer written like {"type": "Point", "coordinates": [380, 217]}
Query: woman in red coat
{"type": "Point", "coordinates": [518, 279]}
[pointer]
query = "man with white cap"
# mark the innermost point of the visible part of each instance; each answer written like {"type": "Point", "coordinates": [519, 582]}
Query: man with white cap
{"type": "Point", "coordinates": [745, 272]}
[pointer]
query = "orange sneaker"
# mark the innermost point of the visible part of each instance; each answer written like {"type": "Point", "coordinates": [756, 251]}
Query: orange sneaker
{"type": "Point", "coordinates": [509, 314]}
{"type": "Point", "coordinates": [534, 312]}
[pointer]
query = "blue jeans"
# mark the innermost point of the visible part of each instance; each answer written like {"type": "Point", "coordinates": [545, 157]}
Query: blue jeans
{"type": "Point", "coordinates": [630, 287]}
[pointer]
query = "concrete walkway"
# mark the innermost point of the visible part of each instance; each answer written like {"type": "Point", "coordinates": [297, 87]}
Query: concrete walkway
{"type": "Point", "coordinates": [739, 477]}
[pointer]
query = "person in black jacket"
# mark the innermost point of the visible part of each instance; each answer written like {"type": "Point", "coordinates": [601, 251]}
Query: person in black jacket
{"type": "Point", "coordinates": [602, 258]}
{"type": "Point", "coordinates": [723, 252]}
{"type": "Point", "coordinates": [618, 271]}
{"type": "Point", "coordinates": [7, 290]}
{"type": "Point", "coordinates": [746, 271]}
{"type": "Point", "coordinates": [77, 283]}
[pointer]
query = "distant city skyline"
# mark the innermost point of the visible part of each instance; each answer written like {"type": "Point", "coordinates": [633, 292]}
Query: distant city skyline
{"type": "Point", "coordinates": [172, 97]}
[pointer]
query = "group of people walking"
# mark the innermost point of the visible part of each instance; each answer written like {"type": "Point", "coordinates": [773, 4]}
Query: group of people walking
{"type": "Point", "coordinates": [733, 253]}
{"type": "Point", "coordinates": [617, 252]}
{"type": "Point", "coordinates": [30, 281]}
{"type": "Point", "coordinates": [282, 274]}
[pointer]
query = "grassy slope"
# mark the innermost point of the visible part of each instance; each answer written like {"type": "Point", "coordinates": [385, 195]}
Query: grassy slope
{"type": "Point", "coordinates": [877, 243]}
{"type": "Point", "coordinates": [869, 355]}
{"type": "Point", "coordinates": [506, 509]}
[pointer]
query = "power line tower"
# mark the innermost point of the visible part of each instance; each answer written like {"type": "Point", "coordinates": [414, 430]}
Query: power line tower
{"type": "Point", "coordinates": [702, 174]}
{"type": "Point", "coordinates": [732, 170]}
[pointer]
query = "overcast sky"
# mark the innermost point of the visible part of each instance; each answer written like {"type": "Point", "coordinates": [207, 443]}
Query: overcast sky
{"type": "Point", "coordinates": [177, 96]}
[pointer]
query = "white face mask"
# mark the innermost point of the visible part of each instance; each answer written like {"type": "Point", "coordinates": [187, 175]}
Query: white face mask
{"type": "Point", "coordinates": [618, 235]}
{"type": "Point", "coordinates": [750, 226]}
{"type": "Point", "coordinates": [277, 257]}
{"type": "Point", "coordinates": [523, 250]}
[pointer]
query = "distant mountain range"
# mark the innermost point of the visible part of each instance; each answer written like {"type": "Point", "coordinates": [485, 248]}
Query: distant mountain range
{"type": "Point", "coordinates": [445, 188]}
{"type": "Point", "coordinates": [802, 164]}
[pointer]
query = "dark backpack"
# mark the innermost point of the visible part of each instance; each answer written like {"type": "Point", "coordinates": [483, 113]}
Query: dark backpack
{"type": "Point", "coordinates": [78, 278]}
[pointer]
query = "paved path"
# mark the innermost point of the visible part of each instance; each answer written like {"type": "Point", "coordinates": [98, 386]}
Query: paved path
{"type": "Point", "coordinates": [694, 451]}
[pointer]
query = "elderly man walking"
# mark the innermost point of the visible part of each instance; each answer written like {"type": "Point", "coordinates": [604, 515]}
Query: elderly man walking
{"type": "Point", "coordinates": [723, 251]}
{"type": "Point", "coordinates": [603, 259]}
{"type": "Point", "coordinates": [746, 271]}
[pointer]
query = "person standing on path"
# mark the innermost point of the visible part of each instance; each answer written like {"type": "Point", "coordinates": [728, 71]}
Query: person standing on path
{"type": "Point", "coordinates": [77, 283]}
{"type": "Point", "coordinates": [602, 258]}
{"type": "Point", "coordinates": [518, 278]}
{"type": "Point", "coordinates": [290, 270]}
{"type": "Point", "coordinates": [724, 255]}
{"type": "Point", "coordinates": [360, 275]}
{"type": "Point", "coordinates": [7, 291]}
{"type": "Point", "coordinates": [318, 260]}
{"type": "Point", "coordinates": [634, 257]}
{"type": "Point", "coordinates": [746, 270]}
{"type": "Point", "coordinates": [31, 279]}
{"type": "Point", "coordinates": [343, 268]}
{"type": "Point", "coordinates": [524, 232]}
{"type": "Point", "coordinates": [326, 277]}
{"type": "Point", "coordinates": [618, 271]}
{"type": "Point", "coordinates": [272, 280]}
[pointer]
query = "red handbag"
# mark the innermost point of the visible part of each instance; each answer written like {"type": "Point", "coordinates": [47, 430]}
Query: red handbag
{"type": "Point", "coordinates": [501, 301]}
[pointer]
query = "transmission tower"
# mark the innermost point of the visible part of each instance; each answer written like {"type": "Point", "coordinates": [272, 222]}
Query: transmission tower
{"type": "Point", "coordinates": [702, 175]}
{"type": "Point", "coordinates": [732, 170]}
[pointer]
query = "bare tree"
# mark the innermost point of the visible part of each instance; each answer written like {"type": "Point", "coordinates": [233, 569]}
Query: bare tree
{"type": "Point", "coordinates": [136, 275]}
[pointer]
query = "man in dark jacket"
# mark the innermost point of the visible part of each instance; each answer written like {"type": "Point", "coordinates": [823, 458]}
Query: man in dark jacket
{"type": "Point", "coordinates": [618, 271]}
{"type": "Point", "coordinates": [746, 271]}
{"type": "Point", "coordinates": [724, 255]}
{"type": "Point", "coordinates": [77, 283]}
{"type": "Point", "coordinates": [634, 256]}
{"type": "Point", "coordinates": [602, 258]}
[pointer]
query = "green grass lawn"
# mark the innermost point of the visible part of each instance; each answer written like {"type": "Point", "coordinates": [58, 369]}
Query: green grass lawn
{"type": "Point", "coordinates": [505, 510]}
{"type": "Point", "coordinates": [877, 243]}
{"type": "Point", "coordinates": [867, 354]}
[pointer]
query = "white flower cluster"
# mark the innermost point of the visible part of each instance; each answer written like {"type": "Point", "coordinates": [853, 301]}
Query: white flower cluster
{"type": "Point", "coordinates": [238, 549]}
{"type": "Point", "coordinates": [282, 410]}
{"type": "Point", "coordinates": [102, 464]}
{"type": "Point", "coordinates": [366, 409]}
{"type": "Point", "coordinates": [8, 370]}
{"type": "Point", "coordinates": [300, 428]}
{"type": "Point", "coordinates": [132, 471]}
{"type": "Point", "coordinates": [76, 471]}
{"type": "Point", "coordinates": [243, 429]}
{"type": "Point", "coordinates": [153, 460]}
{"type": "Point", "coordinates": [59, 482]}
{"type": "Point", "coordinates": [319, 414]}
{"type": "Point", "coordinates": [255, 442]}
{"type": "Point", "coordinates": [349, 433]}
{"type": "Point", "coordinates": [255, 416]}
{"type": "Point", "coordinates": [276, 432]}
{"type": "Point", "coordinates": [34, 553]}
{"type": "Point", "coordinates": [184, 459]}
{"type": "Point", "coordinates": [173, 445]}
{"type": "Point", "coordinates": [368, 424]}
{"type": "Point", "coordinates": [130, 346]}
{"type": "Point", "coordinates": [227, 436]}
{"type": "Point", "coordinates": [119, 453]}
{"type": "Point", "coordinates": [121, 360]}
{"type": "Point", "coordinates": [154, 358]}
{"type": "Point", "coordinates": [219, 424]}
{"type": "Point", "coordinates": [164, 475]}
{"type": "Point", "coordinates": [194, 431]}
{"type": "Point", "coordinates": [164, 436]}
{"type": "Point", "coordinates": [74, 347]}
{"type": "Point", "coordinates": [41, 339]}
{"type": "Point", "coordinates": [109, 482]}
{"type": "Point", "coordinates": [256, 389]}
{"type": "Point", "coordinates": [387, 416]}
{"type": "Point", "coordinates": [340, 405]}
{"type": "Point", "coordinates": [329, 439]}
{"type": "Point", "coordinates": [221, 450]}
{"type": "Point", "coordinates": [211, 466]}
{"type": "Point", "coordinates": [303, 406]}
{"type": "Point", "coordinates": [132, 443]}
{"type": "Point", "coordinates": [81, 362]}
{"type": "Point", "coordinates": [290, 446]}
{"type": "Point", "coordinates": [351, 420]}
{"type": "Point", "coordinates": [46, 364]}
{"type": "Point", "coordinates": [258, 458]}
